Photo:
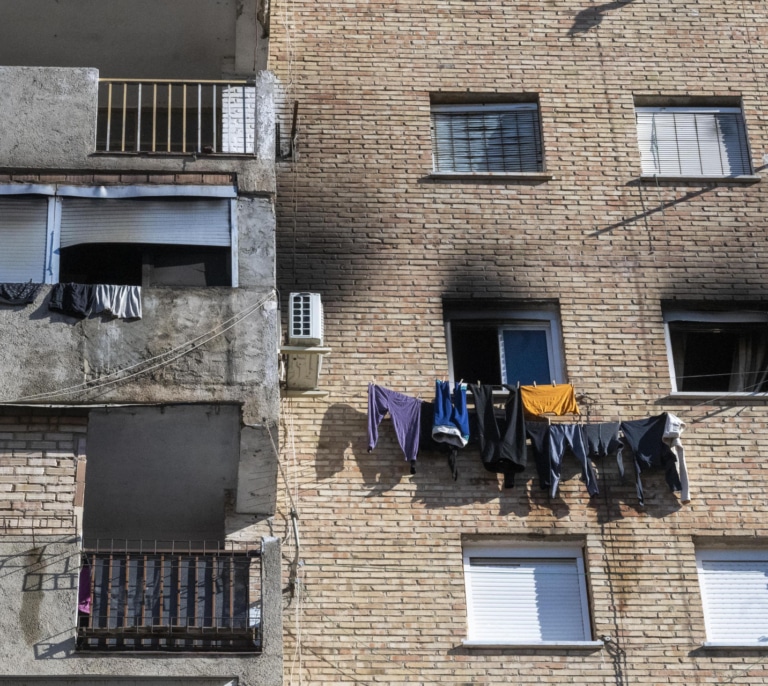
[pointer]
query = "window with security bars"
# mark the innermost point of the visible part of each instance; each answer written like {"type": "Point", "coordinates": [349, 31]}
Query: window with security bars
{"type": "Point", "coordinates": [734, 593]}
{"type": "Point", "coordinates": [692, 141]}
{"type": "Point", "coordinates": [155, 599]}
{"type": "Point", "coordinates": [526, 595]}
{"type": "Point", "coordinates": [493, 138]}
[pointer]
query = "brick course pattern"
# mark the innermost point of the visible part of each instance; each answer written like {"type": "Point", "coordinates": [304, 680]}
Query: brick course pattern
{"type": "Point", "coordinates": [381, 596]}
{"type": "Point", "coordinates": [39, 453]}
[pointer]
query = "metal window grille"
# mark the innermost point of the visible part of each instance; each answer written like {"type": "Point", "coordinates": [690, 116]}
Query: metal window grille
{"type": "Point", "coordinates": [487, 138]}
{"type": "Point", "coordinates": [174, 597]}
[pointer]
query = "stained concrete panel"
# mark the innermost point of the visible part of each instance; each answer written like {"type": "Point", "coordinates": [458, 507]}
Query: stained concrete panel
{"type": "Point", "coordinates": [188, 39]}
{"type": "Point", "coordinates": [160, 473]}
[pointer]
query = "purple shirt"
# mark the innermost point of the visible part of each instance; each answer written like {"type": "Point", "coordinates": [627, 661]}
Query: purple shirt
{"type": "Point", "coordinates": [405, 412]}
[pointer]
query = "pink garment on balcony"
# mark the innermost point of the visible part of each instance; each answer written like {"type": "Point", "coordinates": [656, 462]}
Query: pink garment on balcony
{"type": "Point", "coordinates": [84, 591]}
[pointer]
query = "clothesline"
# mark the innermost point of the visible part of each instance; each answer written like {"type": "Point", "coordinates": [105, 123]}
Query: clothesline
{"type": "Point", "coordinates": [653, 442]}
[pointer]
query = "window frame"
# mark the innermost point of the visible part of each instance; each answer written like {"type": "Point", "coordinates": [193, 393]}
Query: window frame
{"type": "Point", "coordinates": [729, 316]}
{"type": "Point", "coordinates": [513, 319]}
{"type": "Point", "coordinates": [740, 139]}
{"type": "Point", "coordinates": [706, 554]}
{"type": "Point", "coordinates": [476, 107]}
{"type": "Point", "coordinates": [528, 551]}
{"type": "Point", "coordinates": [57, 194]}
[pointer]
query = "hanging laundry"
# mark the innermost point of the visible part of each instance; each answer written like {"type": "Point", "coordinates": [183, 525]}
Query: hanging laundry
{"type": "Point", "coordinates": [121, 301]}
{"type": "Point", "coordinates": [19, 293]}
{"type": "Point", "coordinates": [84, 590]}
{"type": "Point", "coordinates": [550, 443]}
{"type": "Point", "coordinates": [405, 412]}
{"type": "Point", "coordinates": [655, 444]}
{"type": "Point", "coordinates": [558, 400]}
{"type": "Point", "coordinates": [503, 450]}
{"type": "Point", "coordinates": [428, 444]}
{"type": "Point", "coordinates": [73, 299]}
{"type": "Point", "coordinates": [451, 423]}
{"type": "Point", "coordinates": [602, 439]}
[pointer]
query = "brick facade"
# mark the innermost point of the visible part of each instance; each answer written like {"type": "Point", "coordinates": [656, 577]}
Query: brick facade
{"type": "Point", "coordinates": [361, 221]}
{"type": "Point", "coordinates": [38, 477]}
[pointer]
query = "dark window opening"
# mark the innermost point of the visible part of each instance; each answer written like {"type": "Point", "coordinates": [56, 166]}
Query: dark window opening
{"type": "Point", "coordinates": [720, 357]}
{"type": "Point", "coordinates": [502, 352]}
{"type": "Point", "coordinates": [132, 264]}
{"type": "Point", "coordinates": [475, 348]}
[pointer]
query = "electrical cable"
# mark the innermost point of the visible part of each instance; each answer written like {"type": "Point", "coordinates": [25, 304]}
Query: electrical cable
{"type": "Point", "coordinates": [147, 365]}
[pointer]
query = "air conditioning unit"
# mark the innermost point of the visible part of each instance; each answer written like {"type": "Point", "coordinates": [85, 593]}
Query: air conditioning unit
{"type": "Point", "coordinates": [305, 319]}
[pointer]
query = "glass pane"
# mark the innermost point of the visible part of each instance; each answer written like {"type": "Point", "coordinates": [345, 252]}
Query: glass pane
{"type": "Point", "coordinates": [525, 357]}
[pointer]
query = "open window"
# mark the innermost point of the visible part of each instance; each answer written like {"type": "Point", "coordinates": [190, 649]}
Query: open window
{"type": "Point", "coordinates": [526, 595]}
{"type": "Point", "coordinates": [734, 592]}
{"type": "Point", "coordinates": [119, 235]}
{"type": "Point", "coordinates": [724, 351]}
{"type": "Point", "coordinates": [495, 344]}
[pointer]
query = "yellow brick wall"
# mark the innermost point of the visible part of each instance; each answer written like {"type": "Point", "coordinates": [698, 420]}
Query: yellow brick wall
{"type": "Point", "coordinates": [39, 453]}
{"type": "Point", "coordinates": [359, 220]}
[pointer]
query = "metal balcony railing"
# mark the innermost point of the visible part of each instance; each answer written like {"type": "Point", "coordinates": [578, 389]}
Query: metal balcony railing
{"type": "Point", "coordinates": [177, 597]}
{"type": "Point", "coordinates": [176, 117]}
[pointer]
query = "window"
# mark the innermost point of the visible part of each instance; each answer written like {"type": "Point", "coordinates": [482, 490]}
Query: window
{"type": "Point", "coordinates": [734, 592]}
{"type": "Point", "coordinates": [23, 235]}
{"type": "Point", "coordinates": [717, 351]}
{"type": "Point", "coordinates": [150, 236]}
{"type": "Point", "coordinates": [503, 346]}
{"type": "Point", "coordinates": [527, 595]}
{"type": "Point", "coordinates": [692, 141]}
{"type": "Point", "coordinates": [486, 138]}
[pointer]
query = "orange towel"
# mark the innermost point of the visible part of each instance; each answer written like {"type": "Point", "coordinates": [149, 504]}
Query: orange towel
{"type": "Point", "coordinates": [548, 399]}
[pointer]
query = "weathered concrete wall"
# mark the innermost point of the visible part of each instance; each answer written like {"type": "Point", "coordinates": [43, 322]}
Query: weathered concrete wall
{"type": "Point", "coordinates": [49, 122]}
{"type": "Point", "coordinates": [184, 39]}
{"type": "Point", "coordinates": [234, 359]}
{"type": "Point", "coordinates": [48, 114]}
{"type": "Point", "coordinates": [43, 352]}
{"type": "Point", "coordinates": [256, 238]}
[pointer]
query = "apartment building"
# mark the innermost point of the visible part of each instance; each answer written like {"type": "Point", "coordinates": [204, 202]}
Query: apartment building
{"type": "Point", "coordinates": [139, 330]}
{"type": "Point", "coordinates": [516, 195]}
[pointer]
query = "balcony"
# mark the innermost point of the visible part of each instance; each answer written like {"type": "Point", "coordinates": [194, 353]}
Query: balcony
{"type": "Point", "coordinates": [69, 118]}
{"type": "Point", "coordinates": [176, 116]}
{"type": "Point", "coordinates": [170, 597]}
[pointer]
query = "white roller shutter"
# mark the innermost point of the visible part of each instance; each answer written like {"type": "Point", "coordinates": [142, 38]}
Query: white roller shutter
{"type": "Point", "coordinates": [178, 221]}
{"type": "Point", "coordinates": [526, 600]}
{"type": "Point", "coordinates": [23, 222]}
{"type": "Point", "coordinates": [734, 589]}
{"type": "Point", "coordinates": [679, 141]}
